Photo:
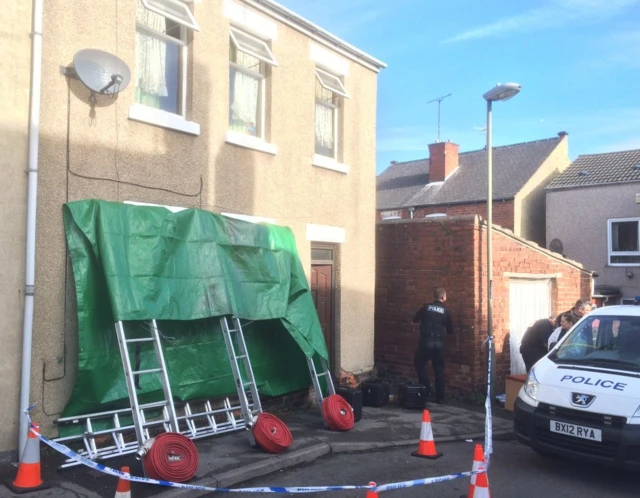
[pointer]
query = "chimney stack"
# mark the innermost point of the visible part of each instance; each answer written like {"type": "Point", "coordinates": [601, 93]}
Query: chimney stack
{"type": "Point", "coordinates": [443, 160]}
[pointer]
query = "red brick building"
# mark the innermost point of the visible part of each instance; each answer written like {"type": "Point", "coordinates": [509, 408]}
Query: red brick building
{"type": "Point", "coordinates": [453, 184]}
{"type": "Point", "coordinates": [415, 256]}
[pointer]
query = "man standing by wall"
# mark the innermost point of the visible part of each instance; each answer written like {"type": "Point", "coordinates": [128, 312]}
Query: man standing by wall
{"type": "Point", "coordinates": [435, 320]}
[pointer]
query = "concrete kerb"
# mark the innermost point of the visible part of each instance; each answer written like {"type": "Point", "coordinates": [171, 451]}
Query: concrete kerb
{"type": "Point", "coordinates": [307, 455]}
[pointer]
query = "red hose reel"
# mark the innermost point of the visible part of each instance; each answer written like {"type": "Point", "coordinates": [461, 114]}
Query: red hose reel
{"type": "Point", "coordinates": [337, 413]}
{"type": "Point", "coordinates": [271, 433]}
{"type": "Point", "coordinates": [172, 457]}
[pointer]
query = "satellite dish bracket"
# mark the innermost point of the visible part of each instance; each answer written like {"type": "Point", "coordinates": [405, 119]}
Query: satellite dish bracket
{"type": "Point", "coordinates": [69, 72]}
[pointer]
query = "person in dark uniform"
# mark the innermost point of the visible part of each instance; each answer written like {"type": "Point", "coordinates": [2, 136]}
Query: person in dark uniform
{"type": "Point", "coordinates": [534, 342]}
{"type": "Point", "coordinates": [435, 320]}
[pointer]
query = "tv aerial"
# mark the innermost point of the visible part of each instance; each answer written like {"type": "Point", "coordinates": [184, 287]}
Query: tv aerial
{"type": "Point", "coordinates": [439, 101]}
{"type": "Point", "coordinates": [101, 72]}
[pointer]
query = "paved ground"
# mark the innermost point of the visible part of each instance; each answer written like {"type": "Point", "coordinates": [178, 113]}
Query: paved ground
{"type": "Point", "coordinates": [516, 471]}
{"type": "Point", "coordinates": [228, 460]}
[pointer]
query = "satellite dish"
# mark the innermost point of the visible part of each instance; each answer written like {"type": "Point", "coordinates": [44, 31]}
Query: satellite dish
{"type": "Point", "coordinates": [101, 72]}
{"type": "Point", "coordinates": [556, 246]}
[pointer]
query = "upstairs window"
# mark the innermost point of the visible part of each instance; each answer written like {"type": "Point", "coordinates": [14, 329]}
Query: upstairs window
{"type": "Point", "coordinates": [624, 243]}
{"type": "Point", "coordinates": [161, 54]}
{"type": "Point", "coordinates": [249, 59]}
{"type": "Point", "coordinates": [329, 94]}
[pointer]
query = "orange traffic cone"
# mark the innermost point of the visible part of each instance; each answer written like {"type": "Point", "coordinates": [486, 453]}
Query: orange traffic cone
{"type": "Point", "coordinates": [479, 487]}
{"type": "Point", "coordinates": [426, 446]}
{"type": "Point", "coordinates": [28, 478]}
{"type": "Point", "coordinates": [124, 487]}
{"type": "Point", "coordinates": [370, 492]}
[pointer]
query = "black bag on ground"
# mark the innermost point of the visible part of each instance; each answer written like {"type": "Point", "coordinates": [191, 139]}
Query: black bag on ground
{"type": "Point", "coordinates": [353, 396]}
{"type": "Point", "coordinates": [375, 393]}
{"type": "Point", "coordinates": [412, 395]}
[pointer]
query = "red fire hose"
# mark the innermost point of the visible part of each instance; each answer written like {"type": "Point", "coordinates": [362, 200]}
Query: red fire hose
{"type": "Point", "coordinates": [271, 433]}
{"type": "Point", "coordinates": [172, 457]}
{"type": "Point", "coordinates": [337, 413]}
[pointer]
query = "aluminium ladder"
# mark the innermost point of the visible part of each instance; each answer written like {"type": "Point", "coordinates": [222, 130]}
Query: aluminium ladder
{"type": "Point", "coordinates": [169, 420]}
{"type": "Point", "coordinates": [315, 378]}
{"type": "Point", "coordinates": [247, 389]}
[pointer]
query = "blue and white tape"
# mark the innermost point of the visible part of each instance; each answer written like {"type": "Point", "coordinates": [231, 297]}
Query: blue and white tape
{"type": "Point", "coordinates": [488, 424]}
{"type": "Point", "coordinates": [270, 489]}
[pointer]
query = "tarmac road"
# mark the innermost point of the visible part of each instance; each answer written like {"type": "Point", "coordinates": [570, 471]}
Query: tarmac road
{"type": "Point", "coordinates": [516, 471]}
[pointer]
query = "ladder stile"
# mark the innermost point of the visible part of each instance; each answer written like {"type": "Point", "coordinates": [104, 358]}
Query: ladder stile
{"type": "Point", "coordinates": [173, 420]}
{"type": "Point", "coordinates": [245, 388]}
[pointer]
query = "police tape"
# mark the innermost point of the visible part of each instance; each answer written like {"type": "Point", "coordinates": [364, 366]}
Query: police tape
{"type": "Point", "coordinates": [68, 452]}
{"type": "Point", "coordinates": [488, 424]}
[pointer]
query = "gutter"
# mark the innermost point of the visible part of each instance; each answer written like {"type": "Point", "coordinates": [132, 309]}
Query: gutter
{"type": "Point", "coordinates": [315, 32]}
{"type": "Point", "coordinates": [32, 194]}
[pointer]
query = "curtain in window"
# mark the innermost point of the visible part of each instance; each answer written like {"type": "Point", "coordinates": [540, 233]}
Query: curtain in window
{"type": "Point", "coordinates": [151, 83]}
{"type": "Point", "coordinates": [324, 129]}
{"type": "Point", "coordinates": [243, 105]}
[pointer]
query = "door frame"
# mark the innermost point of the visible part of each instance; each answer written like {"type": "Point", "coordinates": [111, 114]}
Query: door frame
{"type": "Point", "coordinates": [333, 366]}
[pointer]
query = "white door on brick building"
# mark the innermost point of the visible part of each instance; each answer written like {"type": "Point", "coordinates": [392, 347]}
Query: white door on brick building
{"type": "Point", "coordinates": [529, 300]}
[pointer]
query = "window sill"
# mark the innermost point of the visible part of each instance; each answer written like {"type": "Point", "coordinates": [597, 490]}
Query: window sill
{"type": "Point", "coordinates": [163, 119]}
{"type": "Point", "coordinates": [249, 142]}
{"type": "Point", "coordinates": [328, 163]}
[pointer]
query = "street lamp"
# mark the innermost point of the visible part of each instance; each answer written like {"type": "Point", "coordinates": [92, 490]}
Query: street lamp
{"type": "Point", "coordinates": [496, 94]}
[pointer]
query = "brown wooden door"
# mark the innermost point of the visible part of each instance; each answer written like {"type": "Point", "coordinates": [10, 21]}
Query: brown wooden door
{"type": "Point", "coordinates": [322, 292]}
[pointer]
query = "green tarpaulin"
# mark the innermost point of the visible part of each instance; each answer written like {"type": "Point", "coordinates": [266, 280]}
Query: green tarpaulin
{"type": "Point", "coordinates": [185, 269]}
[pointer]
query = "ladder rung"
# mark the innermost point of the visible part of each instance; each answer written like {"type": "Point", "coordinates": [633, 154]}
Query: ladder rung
{"type": "Point", "coordinates": [248, 384]}
{"type": "Point", "coordinates": [155, 422]}
{"type": "Point", "coordinates": [157, 404]}
{"type": "Point", "coordinates": [149, 371]}
{"type": "Point", "coordinates": [143, 339]}
{"type": "Point", "coordinates": [241, 357]}
{"type": "Point", "coordinates": [322, 374]}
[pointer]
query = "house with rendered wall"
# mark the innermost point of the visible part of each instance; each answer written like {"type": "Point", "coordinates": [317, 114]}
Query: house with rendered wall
{"type": "Point", "coordinates": [593, 216]}
{"type": "Point", "coordinates": [239, 107]}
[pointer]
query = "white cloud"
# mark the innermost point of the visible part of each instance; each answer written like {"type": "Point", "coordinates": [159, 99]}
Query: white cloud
{"type": "Point", "coordinates": [555, 14]}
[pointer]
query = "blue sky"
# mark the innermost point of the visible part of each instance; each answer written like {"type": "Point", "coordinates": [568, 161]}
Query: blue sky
{"type": "Point", "coordinates": [578, 62]}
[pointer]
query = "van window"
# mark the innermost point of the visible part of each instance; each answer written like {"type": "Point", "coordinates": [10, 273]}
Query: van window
{"type": "Point", "coordinates": [605, 341]}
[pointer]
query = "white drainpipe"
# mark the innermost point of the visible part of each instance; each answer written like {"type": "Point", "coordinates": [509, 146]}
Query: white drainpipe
{"type": "Point", "coordinates": [34, 136]}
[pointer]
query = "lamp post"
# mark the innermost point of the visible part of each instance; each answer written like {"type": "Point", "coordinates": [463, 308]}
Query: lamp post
{"type": "Point", "coordinates": [496, 94]}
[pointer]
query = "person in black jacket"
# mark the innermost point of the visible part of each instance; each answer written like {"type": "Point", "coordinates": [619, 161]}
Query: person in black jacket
{"type": "Point", "coordinates": [435, 320]}
{"type": "Point", "coordinates": [534, 342]}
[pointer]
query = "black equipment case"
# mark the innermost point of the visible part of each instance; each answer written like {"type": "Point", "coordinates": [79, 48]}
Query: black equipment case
{"type": "Point", "coordinates": [412, 395]}
{"type": "Point", "coordinates": [353, 396]}
{"type": "Point", "coordinates": [375, 393]}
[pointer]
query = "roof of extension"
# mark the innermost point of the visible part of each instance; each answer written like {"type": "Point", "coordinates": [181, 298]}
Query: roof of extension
{"type": "Point", "coordinates": [407, 184]}
{"type": "Point", "coordinates": [600, 169]}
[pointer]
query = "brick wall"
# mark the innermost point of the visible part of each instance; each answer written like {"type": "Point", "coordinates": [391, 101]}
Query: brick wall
{"type": "Point", "coordinates": [415, 256]}
{"type": "Point", "coordinates": [503, 212]}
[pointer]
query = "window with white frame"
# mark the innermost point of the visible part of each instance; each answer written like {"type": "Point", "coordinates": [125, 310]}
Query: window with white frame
{"type": "Point", "coordinates": [624, 243]}
{"type": "Point", "coordinates": [249, 59]}
{"type": "Point", "coordinates": [329, 94]}
{"type": "Point", "coordinates": [161, 54]}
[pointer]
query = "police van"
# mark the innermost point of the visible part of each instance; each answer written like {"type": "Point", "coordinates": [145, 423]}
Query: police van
{"type": "Point", "coordinates": [582, 400]}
